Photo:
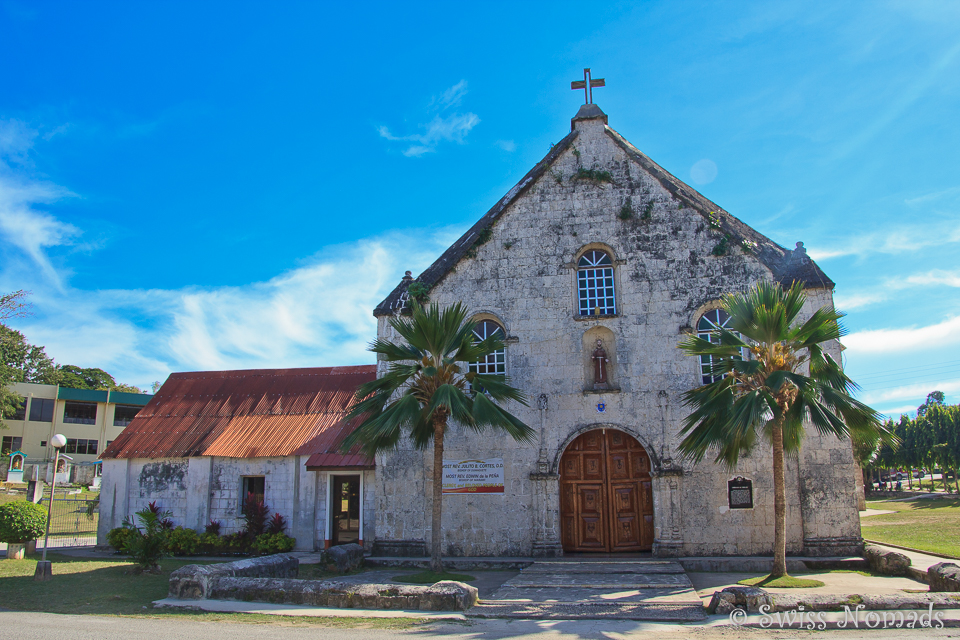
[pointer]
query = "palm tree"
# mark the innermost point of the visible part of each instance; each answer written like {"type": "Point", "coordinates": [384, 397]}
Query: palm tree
{"type": "Point", "coordinates": [770, 376]}
{"type": "Point", "coordinates": [425, 385]}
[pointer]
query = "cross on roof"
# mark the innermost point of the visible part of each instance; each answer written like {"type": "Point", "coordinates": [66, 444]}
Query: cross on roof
{"type": "Point", "coordinates": [587, 84]}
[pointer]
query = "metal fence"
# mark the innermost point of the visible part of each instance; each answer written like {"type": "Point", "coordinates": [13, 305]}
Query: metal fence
{"type": "Point", "coordinates": [73, 522]}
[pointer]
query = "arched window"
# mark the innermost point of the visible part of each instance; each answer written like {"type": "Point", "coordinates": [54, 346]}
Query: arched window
{"type": "Point", "coordinates": [495, 362]}
{"type": "Point", "coordinates": [595, 284]}
{"type": "Point", "coordinates": [708, 328]}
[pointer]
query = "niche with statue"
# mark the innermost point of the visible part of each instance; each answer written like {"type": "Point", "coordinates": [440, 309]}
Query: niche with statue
{"type": "Point", "coordinates": [599, 361]}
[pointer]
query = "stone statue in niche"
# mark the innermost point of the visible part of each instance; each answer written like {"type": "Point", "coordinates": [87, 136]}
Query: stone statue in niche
{"type": "Point", "coordinates": [600, 367]}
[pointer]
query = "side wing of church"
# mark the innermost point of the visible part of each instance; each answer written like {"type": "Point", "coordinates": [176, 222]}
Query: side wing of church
{"type": "Point", "coordinates": [594, 267]}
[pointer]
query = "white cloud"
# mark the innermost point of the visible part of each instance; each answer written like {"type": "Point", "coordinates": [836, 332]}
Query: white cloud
{"type": "Point", "coordinates": [442, 128]}
{"type": "Point", "coordinates": [22, 224]}
{"type": "Point", "coordinates": [862, 298]}
{"type": "Point", "coordinates": [915, 390]}
{"type": "Point", "coordinates": [703, 171]}
{"type": "Point", "coordinates": [452, 96]}
{"type": "Point", "coordinates": [317, 315]}
{"type": "Point", "coordinates": [892, 241]}
{"type": "Point", "coordinates": [507, 145]}
{"type": "Point", "coordinates": [934, 336]}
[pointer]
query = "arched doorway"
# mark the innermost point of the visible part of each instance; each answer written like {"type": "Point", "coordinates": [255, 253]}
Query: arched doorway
{"type": "Point", "coordinates": [606, 502]}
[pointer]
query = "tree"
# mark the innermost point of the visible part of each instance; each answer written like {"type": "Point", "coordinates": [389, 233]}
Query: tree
{"type": "Point", "coordinates": [933, 398]}
{"type": "Point", "coordinates": [14, 305]}
{"type": "Point", "coordinates": [425, 386]}
{"type": "Point", "coordinates": [785, 379]}
{"type": "Point", "coordinates": [78, 378]}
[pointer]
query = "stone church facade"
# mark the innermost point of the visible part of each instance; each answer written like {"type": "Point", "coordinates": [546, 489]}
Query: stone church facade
{"type": "Point", "coordinates": [599, 243]}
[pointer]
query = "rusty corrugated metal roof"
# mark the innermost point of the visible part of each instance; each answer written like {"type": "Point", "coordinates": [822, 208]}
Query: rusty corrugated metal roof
{"type": "Point", "coordinates": [256, 413]}
{"type": "Point", "coordinates": [323, 449]}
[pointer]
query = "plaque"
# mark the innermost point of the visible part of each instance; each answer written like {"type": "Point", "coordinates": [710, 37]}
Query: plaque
{"type": "Point", "coordinates": [740, 493]}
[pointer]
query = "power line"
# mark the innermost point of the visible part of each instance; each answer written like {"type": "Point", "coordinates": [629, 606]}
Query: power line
{"type": "Point", "coordinates": [890, 372]}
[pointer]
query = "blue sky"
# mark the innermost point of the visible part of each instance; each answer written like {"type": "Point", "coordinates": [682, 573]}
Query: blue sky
{"type": "Point", "coordinates": [193, 186]}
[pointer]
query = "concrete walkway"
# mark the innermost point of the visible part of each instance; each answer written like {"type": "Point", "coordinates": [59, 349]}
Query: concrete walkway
{"type": "Point", "coordinates": [638, 589]}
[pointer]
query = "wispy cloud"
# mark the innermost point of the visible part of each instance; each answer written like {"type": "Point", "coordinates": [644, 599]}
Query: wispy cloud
{"type": "Point", "coordinates": [319, 314]}
{"type": "Point", "coordinates": [23, 225]}
{"type": "Point", "coordinates": [891, 241]}
{"type": "Point", "coordinates": [507, 145]}
{"type": "Point", "coordinates": [933, 336]}
{"type": "Point", "coordinates": [452, 127]}
{"type": "Point", "coordinates": [936, 277]}
{"type": "Point", "coordinates": [915, 390]}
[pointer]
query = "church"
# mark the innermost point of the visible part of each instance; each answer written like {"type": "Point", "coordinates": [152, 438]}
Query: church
{"type": "Point", "coordinates": [592, 269]}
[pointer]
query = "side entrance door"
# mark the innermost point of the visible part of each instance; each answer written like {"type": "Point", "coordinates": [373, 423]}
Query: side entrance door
{"type": "Point", "coordinates": [606, 500]}
{"type": "Point", "coordinates": [345, 511]}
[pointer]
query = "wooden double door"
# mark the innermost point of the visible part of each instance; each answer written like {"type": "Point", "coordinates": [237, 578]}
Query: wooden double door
{"type": "Point", "coordinates": [606, 501]}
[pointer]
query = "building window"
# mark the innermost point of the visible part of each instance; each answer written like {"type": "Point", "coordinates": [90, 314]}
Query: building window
{"type": "Point", "coordinates": [595, 284]}
{"type": "Point", "coordinates": [708, 328]}
{"type": "Point", "coordinates": [495, 362]}
{"type": "Point", "coordinates": [75, 445]}
{"type": "Point", "coordinates": [9, 444]}
{"type": "Point", "coordinates": [41, 409]}
{"type": "Point", "coordinates": [251, 487]}
{"type": "Point", "coordinates": [124, 414]}
{"type": "Point", "coordinates": [43, 443]}
{"type": "Point", "coordinates": [80, 412]}
{"type": "Point", "coordinates": [21, 412]}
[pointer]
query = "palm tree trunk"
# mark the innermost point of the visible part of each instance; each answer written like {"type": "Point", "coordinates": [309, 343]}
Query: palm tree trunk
{"type": "Point", "coordinates": [779, 505]}
{"type": "Point", "coordinates": [436, 562]}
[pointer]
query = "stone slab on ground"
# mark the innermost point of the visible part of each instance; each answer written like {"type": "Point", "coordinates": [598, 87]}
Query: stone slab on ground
{"type": "Point", "coordinates": [944, 576]}
{"type": "Point", "coordinates": [592, 589]}
{"type": "Point", "coordinates": [233, 606]}
{"type": "Point", "coordinates": [452, 564]}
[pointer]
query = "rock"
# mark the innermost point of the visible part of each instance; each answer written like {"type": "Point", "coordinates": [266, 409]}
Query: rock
{"type": "Point", "coordinates": [442, 596]}
{"type": "Point", "coordinates": [944, 576]}
{"type": "Point", "coordinates": [885, 562]}
{"type": "Point", "coordinates": [749, 599]}
{"type": "Point", "coordinates": [345, 557]}
{"type": "Point", "coordinates": [193, 581]}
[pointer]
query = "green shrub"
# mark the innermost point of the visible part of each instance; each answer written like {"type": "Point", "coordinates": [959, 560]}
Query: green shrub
{"type": "Point", "coordinates": [117, 538]}
{"type": "Point", "coordinates": [273, 543]}
{"type": "Point", "coordinates": [148, 546]}
{"type": "Point", "coordinates": [21, 521]}
{"type": "Point", "coordinates": [182, 542]}
{"type": "Point", "coordinates": [211, 543]}
{"type": "Point", "coordinates": [235, 543]}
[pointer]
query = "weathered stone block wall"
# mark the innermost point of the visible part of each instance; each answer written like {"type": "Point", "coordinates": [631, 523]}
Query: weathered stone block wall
{"type": "Point", "coordinates": [666, 277]}
{"type": "Point", "coordinates": [225, 488]}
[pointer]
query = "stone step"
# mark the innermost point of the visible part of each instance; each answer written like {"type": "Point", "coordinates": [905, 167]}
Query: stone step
{"type": "Point", "coordinates": [605, 568]}
{"type": "Point", "coordinates": [601, 581]}
{"type": "Point", "coordinates": [680, 612]}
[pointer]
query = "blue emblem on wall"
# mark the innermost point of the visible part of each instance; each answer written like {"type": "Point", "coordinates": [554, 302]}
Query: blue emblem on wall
{"type": "Point", "coordinates": [601, 407]}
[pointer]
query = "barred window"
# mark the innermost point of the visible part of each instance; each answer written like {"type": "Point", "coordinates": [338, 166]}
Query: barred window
{"type": "Point", "coordinates": [708, 328]}
{"type": "Point", "coordinates": [495, 362]}
{"type": "Point", "coordinates": [595, 284]}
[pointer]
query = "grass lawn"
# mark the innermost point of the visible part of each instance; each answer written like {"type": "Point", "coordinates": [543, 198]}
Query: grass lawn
{"type": "Point", "coordinates": [928, 525]}
{"type": "Point", "coordinates": [108, 587]}
{"type": "Point", "coordinates": [783, 582]}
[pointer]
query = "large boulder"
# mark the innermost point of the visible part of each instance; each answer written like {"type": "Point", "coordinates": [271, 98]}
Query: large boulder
{"type": "Point", "coordinates": [345, 557]}
{"type": "Point", "coordinates": [750, 599]}
{"type": "Point", "coordinates": [944, 576]}
{"type": "Point", "coordinates": [442, 596]}
{"type": "Point", "coordinates": [886, 562]}
{"type": "Point", "coordinates": [193, 582]}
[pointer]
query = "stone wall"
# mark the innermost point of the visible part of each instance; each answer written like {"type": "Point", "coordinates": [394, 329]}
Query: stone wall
{"type": "Point", "coordinates": [198, 490]}
{"type": "Point", "coordinates": [666, 276]}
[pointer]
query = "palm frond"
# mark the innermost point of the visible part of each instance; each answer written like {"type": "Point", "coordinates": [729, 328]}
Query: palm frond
{"type": "Point", "coordinates": [498, 386]}
{"type": "Point", "coordinates": [383, 430]}
{"type": "Point", "coordinates": [486, 413]}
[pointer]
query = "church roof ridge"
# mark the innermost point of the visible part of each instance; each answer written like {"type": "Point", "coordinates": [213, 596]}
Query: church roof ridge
{"type": "Point", "coordinates": [436, 271]}
{"type": "Point", "coordinates": [787, 266]}
{"type": "Point", "coordinates": [783, 264]}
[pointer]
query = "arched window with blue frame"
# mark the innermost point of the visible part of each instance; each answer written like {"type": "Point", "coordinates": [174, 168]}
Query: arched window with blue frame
{"type": "Point", "coordinates": [708, 328]}
{"type": "Point", "coordinates": [595, 287]}
{"type": "Point", "coordinates": [492, 363]}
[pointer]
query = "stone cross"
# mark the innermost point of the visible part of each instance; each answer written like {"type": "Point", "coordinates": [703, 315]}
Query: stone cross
{"type": "Point", "coordinates": [587, 84]}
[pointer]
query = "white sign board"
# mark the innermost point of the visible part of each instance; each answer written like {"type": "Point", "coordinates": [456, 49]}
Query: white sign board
{"type": "Point", "coordinates": [473, 476]}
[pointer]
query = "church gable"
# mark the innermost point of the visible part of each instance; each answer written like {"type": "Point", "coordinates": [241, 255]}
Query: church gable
{"type": "Point", "coordinates": [594, 176]}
